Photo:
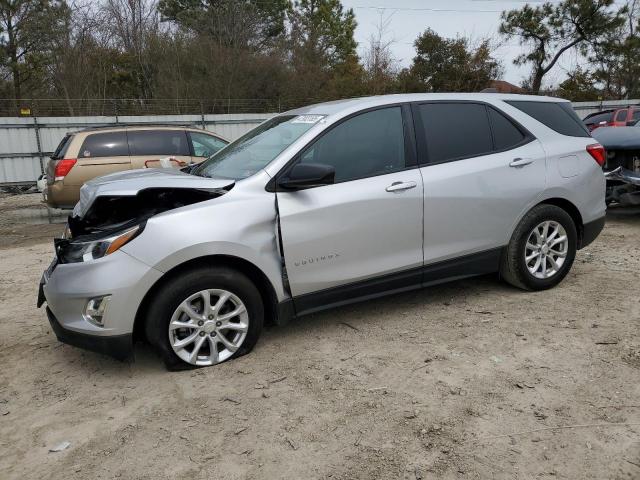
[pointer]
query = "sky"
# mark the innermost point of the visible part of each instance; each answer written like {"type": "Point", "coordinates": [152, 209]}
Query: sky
{"type": "Point", "coordinates": [477, 19]}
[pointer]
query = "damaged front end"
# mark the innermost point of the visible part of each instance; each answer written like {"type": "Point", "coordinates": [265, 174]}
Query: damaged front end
{"type": "Point", "coordinates": [623, 186]}
{"type": "Point", "coordinates": [113, 210]}
{"type": "Point", "coordinates": [622, 166]}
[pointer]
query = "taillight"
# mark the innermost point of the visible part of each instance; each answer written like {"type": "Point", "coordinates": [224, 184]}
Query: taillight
{"type": "Point", "coordinates": [598, 153]}
{"type": "Point", "coordinates": [63, 167]}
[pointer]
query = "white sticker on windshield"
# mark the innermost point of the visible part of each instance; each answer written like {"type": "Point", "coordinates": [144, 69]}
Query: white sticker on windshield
{"type": "Point", "coordinates": [307, 119]}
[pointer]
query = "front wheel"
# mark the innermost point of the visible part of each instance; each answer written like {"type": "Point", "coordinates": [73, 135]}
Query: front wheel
{"type": "Point", "coordinates": [204, 317]}
{"type": "Point", "coordinates": [542, 249]}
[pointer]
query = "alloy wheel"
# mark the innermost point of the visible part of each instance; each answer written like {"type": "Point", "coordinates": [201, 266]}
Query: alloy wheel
{"type": "Point", "coordinates": [546, 249]}
{"type": "Point", "coordinates": [208, 327]}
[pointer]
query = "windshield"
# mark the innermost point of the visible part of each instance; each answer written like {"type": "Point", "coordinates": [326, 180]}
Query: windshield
{"type": "Point", "coordinates": [255, 150]}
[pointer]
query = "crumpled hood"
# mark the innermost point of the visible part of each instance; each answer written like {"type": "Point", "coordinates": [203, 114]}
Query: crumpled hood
{"type": "Point", "coordinates": [132, 182]}
{"type": "Point", "coordinates": [618, 138]}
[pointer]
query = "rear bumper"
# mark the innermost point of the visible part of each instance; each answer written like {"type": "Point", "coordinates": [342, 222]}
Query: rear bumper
{"type": "Point", "coordinates": [116, 346]}
{"type": "Point", "coordinates": [591, 230]}
{"type": "Point", "coordinates": [59, 195]}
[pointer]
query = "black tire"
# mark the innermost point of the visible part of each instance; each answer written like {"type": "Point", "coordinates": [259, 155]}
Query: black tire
{"type": "Point", "coordinates": [513, 268]}
{"type": "Point", "coordinates": [179, 288]}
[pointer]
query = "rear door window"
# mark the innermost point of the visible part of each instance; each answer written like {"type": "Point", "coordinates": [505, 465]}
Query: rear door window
{"type": "Point", "coordinates": [108, 144]}
{"type": "Point", "coordinates": [158, 142]}
{"type": "Point", "coordinates": [558, 116]}
{"type": "Point", "coordinates": [506, 134]}
{"type": "Point", "coordinates": [454, 131]}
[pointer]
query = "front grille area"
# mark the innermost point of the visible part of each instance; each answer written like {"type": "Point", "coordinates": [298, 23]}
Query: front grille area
{"type": "Point", "coordinates": [629, 159]}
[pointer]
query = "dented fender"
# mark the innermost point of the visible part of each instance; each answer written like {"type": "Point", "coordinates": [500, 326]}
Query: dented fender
{"type": "Point", "coordinates": [119, 200]}
{"type": "Point", "coordinates": [240, 223]}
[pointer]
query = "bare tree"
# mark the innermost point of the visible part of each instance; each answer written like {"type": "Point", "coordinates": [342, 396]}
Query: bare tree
{"type": "Point", "coordinates": [131, 23]}
{"type": "Point", "coordinates": [70, 73]}
{"type": "Point", "coordinates": [379, 63]}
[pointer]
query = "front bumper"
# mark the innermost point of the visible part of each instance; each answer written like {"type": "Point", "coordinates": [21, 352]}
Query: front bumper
{"type": "Point", "coordinates": [67, 288]}
{"type": "Point", "coordinates": [623, 187]}
{"type": "Point", "coordinates": [116, 346]}
{"type": "Point", "coordinates": [623, 175]}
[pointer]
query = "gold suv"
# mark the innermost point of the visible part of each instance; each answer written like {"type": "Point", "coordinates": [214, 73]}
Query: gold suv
{"type": "Point", "coordinates": [93, 152]}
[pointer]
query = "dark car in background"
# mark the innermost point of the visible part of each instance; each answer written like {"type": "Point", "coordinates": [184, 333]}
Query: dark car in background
{"type": "Point", "coordinates": [622, 164]}
{"type": "Point", "coordinates": [598, 119]}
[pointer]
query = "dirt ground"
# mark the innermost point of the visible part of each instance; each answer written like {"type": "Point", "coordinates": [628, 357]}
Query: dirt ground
{"type": "Point", "coordinates": [473, 379]}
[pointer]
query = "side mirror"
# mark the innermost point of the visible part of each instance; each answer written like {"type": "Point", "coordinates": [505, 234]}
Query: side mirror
{"type": "Point", "coordinates": [307, 175]}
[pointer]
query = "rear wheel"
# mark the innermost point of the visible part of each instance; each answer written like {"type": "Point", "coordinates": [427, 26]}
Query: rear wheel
{"type": "Point", "coordinates": [542, 249]}
{"type": "Point", "coordinates": [204, 317]}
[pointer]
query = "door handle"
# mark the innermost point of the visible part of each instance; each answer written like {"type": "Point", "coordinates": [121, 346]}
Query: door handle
{"type": "Point", "coordinates": [399, 186]}
{"type": "Point", "coordinates": [520, 162]}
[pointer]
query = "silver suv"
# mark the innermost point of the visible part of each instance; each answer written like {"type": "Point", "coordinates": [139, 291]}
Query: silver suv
{"type": "Point", "coordinates": [322, 206]}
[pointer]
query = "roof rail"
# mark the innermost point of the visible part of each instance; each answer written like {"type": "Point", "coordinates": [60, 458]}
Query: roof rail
{"type": "Point", "coordinates": [136, 124]}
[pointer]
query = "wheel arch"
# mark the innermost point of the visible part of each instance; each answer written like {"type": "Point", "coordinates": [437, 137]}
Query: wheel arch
{"type": "Point", "coordinates": [260, 279]}
{"type": "Point", "coordinates": [573, 212]}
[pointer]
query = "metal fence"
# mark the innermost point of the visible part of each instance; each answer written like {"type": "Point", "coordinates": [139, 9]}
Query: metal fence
{"type": "Point", "coordinates": [585, 108]}
{"type": "Point", "coordinates": [27, 142]}
{"type": "Point", "coordinates": [73, 107]}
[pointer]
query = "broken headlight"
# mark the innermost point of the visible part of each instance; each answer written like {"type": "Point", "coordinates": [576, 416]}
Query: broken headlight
{"type": "Point", "coordinates": [85, 248]}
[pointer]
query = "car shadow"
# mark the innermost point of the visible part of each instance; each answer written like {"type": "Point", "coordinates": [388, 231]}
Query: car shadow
{"type": "Point", "coordinates": [359, 314]}
{"type": "Point", "coordinates": [626, 215]}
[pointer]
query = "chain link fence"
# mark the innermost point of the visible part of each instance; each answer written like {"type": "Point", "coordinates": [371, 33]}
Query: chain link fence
{"type": "Point", "coordinates": [116, 107]}
{"type": "Point", "coordinates": [54, 107]}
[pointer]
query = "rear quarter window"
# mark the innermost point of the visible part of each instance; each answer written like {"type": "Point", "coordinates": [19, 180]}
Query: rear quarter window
{"type": "Point", "coordinates": [558, 116]}
{"type": "Point", "coordinates": [506, 135]}
{"type": "Point", "coordinates": [108, 144]}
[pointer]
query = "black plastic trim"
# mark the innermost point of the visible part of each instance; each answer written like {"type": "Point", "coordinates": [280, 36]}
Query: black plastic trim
{"type": "Point", "coordinates": [285, 312]}
{"type": "Point", "coordinates": [591, 230]}
{"type": "Point", "coordinates": [119, 347]}
{"type": "Point", "coordinates": [467, 266]}
{"type": "Point", "coordinates": [359, 291]}
{"type": "Point", "coordinates": [480, 263]}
